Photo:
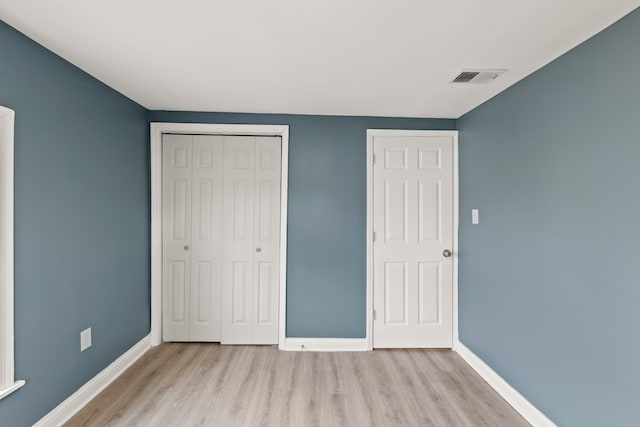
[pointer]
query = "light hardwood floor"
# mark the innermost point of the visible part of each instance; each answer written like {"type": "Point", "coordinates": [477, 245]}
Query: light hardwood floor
{"type": "Point", "coordinates": [213, 385]}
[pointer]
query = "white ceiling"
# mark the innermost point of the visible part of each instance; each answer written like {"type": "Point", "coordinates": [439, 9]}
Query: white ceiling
{"type": "Point", "coordinates": [343, 57]}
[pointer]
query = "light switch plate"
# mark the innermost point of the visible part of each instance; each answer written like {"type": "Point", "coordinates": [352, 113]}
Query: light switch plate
{"type": "Point", "coordinates": [85, 339]}
{"type": "Point", "coordinates": [475, 218]}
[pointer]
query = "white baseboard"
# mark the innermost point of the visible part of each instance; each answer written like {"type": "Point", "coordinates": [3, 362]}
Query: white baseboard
{"type": "Point", "coordinates": [325, 344]}
{"type": "Point", "coordinates": [508, 393]}
{"type": "Point", "coordinates": [67, 409]}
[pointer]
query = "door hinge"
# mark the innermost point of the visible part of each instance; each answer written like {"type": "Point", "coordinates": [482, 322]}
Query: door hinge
{"type": "Point", "coordinates": [374, 236]}
{"type": "Point", "coordinates": [375, 315]}
{"type": "Point", "coordinates": [374, 159]}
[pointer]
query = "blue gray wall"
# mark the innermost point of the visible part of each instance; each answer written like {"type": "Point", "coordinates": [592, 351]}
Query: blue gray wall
{"type": "Point", "coordinates": [81, 224]}
{"type": "Point", "coordinates": [549, 280]}
{"type": "Point", "coordinates": [326, 264]}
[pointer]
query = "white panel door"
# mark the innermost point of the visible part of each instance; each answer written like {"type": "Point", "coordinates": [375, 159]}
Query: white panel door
{"type": "Point", "coordinates": [413, 226]}
{"type": "Point", "coordinates": [251, 240]}
{"type": "Point", "coordinates": [237, 235]}
{"type": "Point", "coordinates": [192, 237]}
{"type": "Point", "coordinates": [221, 238]}
{"type": "Point", "coordinates": [206, 239]}
{"type": "Point", "coordinates": [266, 261]}
{"type": "Point", "coordinates": [177, 158]}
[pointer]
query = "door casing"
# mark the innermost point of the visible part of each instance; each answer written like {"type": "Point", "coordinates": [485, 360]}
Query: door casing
{"type": "Point", "coordinates": [159, 128]}
{"type": "Point", "coordinates": [371, 134]}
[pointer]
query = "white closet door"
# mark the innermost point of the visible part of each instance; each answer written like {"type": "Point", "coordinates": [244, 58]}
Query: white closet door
{"type": "Point", "coordinates": [206, 239]}
{"type": "Point", "coordinates": [413, 222]}
{"type": "Point", "coordinates": [176, 228]}
{"type": "Point", "coordinates": [251, 240]}
{"type": "Point", "coordinates": [238, 239]}
{"type": "Point", "coordinates": [267, 240]}
{"type": "Point", "coordinates": [221, 231]}
{"type": "Point", "coordinates": [192, 237]}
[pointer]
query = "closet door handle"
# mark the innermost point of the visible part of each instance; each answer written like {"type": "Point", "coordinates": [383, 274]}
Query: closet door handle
{"type": "Point", "coordinates": [258, 249]}
{"type": "Point", "coordinates": [186, 247]}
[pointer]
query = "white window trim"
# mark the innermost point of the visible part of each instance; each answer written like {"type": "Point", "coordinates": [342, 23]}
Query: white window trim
{"type": "Point", "coordinates": [7, 381]}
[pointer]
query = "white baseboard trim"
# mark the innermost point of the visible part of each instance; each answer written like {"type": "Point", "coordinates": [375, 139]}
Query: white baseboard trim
{"type": "Point", "coordinates": [67, 409]}
{"type": "Point", "coordinates": [529, 412]}
{"type": "Point", "coordinates": [325, 344]}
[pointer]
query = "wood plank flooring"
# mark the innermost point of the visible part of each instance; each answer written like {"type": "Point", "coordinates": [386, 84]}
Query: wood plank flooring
{"type": "Point", "coordinates": [213, 385]}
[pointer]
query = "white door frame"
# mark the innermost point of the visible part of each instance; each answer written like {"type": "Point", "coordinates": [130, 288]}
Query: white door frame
{"type": "Point", "coordinates": [371, 133]}
{"type": "Point", "coordinates": [157, 129]}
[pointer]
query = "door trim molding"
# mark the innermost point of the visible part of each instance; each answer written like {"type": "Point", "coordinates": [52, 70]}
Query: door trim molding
{"type": "Point", "coordinates": [159, 128]}
{"type": "Point", "coordinates": [371, 133]}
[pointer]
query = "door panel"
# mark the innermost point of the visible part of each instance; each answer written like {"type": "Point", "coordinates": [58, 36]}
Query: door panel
{"type": "Point", "coordinates": [206, 238]}
{"type": "Point", "coordinates": [396, 211]}
{"type": "Point", "coordinates": [176, 211]}
{"type": "Point", "coordinates": [265, 289]}
{"type": "Point", "coordinates": [177, 289]}
{"type": "Point", "coordinates": [238, 239]}
{"type": "Point", "coordinates": [429, 285]}
{"type": "Point", "coordinates": [252, 245]}
{"type": "Point", "coordinates": [201, 291]}
{"type": "Point", "coordinates": [240, 287]}
{"type": "Point", "coordinates": [267, 226]}
{"type": "Point", "coordinates": [395, 293]}
{"type": "Point", "coordinates": [192, 198]}
{"type": "Point", "coordinates": [242, 209]}
{"type": "Point", "coordinates": [267, 196]}
{"type": "Point", "coordinates": [413, 215]}
{"type": "Point", "coordinates": [221, 219]}
{"type": "Point", "coordinates": [179, 194]}
{"type": "Point", "coordinates": [429, 208]}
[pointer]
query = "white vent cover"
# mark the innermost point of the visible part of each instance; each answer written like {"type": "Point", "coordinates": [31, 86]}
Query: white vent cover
{"type": "Point", "coordinates": [477, 76]}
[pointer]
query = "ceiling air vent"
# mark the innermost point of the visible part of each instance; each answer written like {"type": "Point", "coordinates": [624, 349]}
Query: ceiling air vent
{"type": "Point", "coordinates": [477, 76]}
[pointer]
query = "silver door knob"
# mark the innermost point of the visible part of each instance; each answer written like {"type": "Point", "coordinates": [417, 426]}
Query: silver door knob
{"type": "Point", "coordinates": [446, 253]}
{"type": "Point", "coordinates": [186, 247]}
{"type": "Point", "coordinates": [258, 249]}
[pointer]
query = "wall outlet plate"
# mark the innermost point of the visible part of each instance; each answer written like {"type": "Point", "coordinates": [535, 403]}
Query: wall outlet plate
{"type": "Point", "coordinates": [475, 216]}
{"type": "Point", "coordinates": [85, 339]}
